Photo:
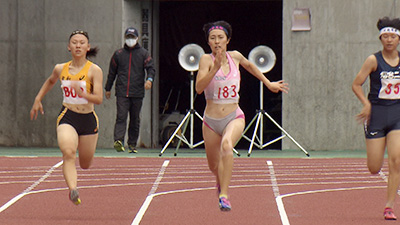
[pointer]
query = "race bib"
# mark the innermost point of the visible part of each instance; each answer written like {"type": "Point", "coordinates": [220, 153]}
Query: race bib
{"type": "Point", "coordinates": [390, 85]}
{"type": "Point", "coordinates": [69, 94]}
{"type": "Point", "coordinates": [226, 90]}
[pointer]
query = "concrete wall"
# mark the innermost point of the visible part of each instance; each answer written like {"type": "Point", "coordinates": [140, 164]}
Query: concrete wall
{"type": "Point", "coordinates": [34, 38]}
{"type": "Point", "coordinates": [320, 65]}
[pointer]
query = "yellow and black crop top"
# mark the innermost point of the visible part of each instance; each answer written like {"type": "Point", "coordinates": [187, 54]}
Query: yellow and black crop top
{"type": "Point", "coordinates": [83, 80]}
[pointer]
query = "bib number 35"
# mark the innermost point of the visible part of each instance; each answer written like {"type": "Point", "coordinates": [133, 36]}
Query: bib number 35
{"type": "Point", "coordinates": [395, 88]}
{"type": "Point", "coordinates": [390, 89]}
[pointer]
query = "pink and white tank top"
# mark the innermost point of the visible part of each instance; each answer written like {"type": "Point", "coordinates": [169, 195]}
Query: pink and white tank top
{"type": "Point", "coordinates": [224, 89]}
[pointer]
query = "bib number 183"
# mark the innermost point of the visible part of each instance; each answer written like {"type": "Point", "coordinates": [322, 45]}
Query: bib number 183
{"type": "Point", "coordinates": [226, 92]}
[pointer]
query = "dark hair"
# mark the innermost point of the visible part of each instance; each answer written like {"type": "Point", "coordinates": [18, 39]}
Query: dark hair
{"type": "Point", "coordinates": [388, 22]}
{"type": "Point", "coordinates": [93, 51]}
{"type": "Point", "coordinates": [227, 28]}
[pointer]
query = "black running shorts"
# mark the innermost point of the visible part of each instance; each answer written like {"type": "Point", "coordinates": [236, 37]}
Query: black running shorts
{"type": "Point", "coordinates": [384, 118]}
{"type": "Point", "coordinates": [84, 124]}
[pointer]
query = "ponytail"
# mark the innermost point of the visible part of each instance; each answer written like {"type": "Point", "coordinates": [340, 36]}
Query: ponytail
{"type": "Point", "coordinates": [92, 52]}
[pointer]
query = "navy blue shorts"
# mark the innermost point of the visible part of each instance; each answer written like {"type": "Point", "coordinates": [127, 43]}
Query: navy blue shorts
{"type": "Point", "coordinates": [84, 124]}
{"type": "Point", "coordinates": [384, 118]}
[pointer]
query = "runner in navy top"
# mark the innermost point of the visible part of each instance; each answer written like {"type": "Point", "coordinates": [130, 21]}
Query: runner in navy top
{"type": "Point", "coordinates": [380, 114]}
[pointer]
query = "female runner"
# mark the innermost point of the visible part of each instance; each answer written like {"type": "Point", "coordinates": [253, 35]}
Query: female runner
{"type": "Point", "coordinates": [380, 113]}
{"type": "Point", "coordinates": [77, 123]}
{"type": "Point", "coordinates": [223, 121]}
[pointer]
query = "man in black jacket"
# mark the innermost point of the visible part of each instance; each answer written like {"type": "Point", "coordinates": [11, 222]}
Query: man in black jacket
{"type": "Point", "coordinates": [129, 65]}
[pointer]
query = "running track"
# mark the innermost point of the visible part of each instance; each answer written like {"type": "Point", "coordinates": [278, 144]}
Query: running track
{"type": "Point", "coordinates": [178, 191]}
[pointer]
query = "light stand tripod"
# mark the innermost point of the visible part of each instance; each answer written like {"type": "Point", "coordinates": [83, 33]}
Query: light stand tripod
{"type": "Point", "coordinates": [264, 58]}
{"type": "Point", "coordinates": [189, 115]}
{"type": "Point", "coordinates": [259, 124]}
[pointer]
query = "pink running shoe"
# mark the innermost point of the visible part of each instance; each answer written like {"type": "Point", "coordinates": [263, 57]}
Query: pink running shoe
{"type": "Point", "coordinates": [224, 204]}
{"type": "Point", "coordinates": [388, 214]}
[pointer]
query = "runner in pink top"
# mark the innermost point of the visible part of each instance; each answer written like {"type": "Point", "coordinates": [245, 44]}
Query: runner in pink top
{"type": "Point", "coordinates": [224, 89]}
{"type": "Point", "coordinates": [219, 78]}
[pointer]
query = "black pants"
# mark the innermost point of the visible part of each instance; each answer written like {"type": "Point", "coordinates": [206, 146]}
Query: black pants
{"type": "Point", "coordinates": [132, 106]}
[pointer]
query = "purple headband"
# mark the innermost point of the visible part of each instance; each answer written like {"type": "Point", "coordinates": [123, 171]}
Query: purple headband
{"type": "Point", "coordinates": [219, 28]}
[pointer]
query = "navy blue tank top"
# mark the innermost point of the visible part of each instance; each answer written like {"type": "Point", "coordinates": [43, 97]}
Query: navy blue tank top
{"type": "Point", "coordinates": [384, 83]}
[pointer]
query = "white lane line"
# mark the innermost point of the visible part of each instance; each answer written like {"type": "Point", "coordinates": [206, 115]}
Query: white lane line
{"type": "Point", "coordinates": [275, 188]}
{"type": "Point", "coordinates": [330, 190]}
{"type": "Point", "coordinates": [30, 188]}
{"type": "Point", "coordinates": [385, 178]}
{"type": "Point", "coordinates": [274, 183]}
{"type": "Point", "coordinates": [278, 199]}
{"type": "Point", "coordinates": [150, 196]}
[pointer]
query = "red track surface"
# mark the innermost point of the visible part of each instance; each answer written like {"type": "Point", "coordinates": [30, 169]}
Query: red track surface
{"type": "Point", "coordinates": [113, 190]}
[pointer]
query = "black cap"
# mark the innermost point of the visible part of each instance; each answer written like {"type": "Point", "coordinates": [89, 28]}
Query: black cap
{"type": "Point", "coordinates": [131, 31]}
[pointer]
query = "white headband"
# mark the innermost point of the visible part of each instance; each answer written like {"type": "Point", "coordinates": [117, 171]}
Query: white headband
{"type": "Point", "coordinates": [386, 30]}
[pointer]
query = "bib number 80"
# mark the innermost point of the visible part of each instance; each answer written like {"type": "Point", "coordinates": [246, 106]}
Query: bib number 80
{"type": "Point", "coordinates": [70, 92]}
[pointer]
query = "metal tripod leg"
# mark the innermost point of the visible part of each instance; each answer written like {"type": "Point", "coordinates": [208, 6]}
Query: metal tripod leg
{"type": "Point", "coordinates": [286, 133]}
{"type": "Point", "coordinates": [258, 118]}
{"type": "Point", "coordinates": [255, 118]}
{"type": "Point", "coordinates": [181, 137]}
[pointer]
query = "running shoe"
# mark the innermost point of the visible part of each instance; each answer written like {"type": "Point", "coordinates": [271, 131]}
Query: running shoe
{"type": "Point", "coordinates": [224, 204]}
{"type": "Point", "coordinates": [388, 214]}
{"type": "Point", "coordinates": [132, 149]}
{"type": "Point", "coordinates": [119, 146]}
{"type": "Point", "coordinates": [74, 197]}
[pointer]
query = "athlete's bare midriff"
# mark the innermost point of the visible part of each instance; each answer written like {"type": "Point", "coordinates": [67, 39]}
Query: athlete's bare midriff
{"type": "Point", "coordinates": [80, 108]}
{"type": "Point", "coordinates": [216, 110]}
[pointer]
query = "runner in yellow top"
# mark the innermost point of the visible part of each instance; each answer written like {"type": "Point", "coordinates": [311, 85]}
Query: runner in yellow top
{"type": "Point", "coordinates": [77, 123]}
{"type": "Point", "coordinates": [80, 78]}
